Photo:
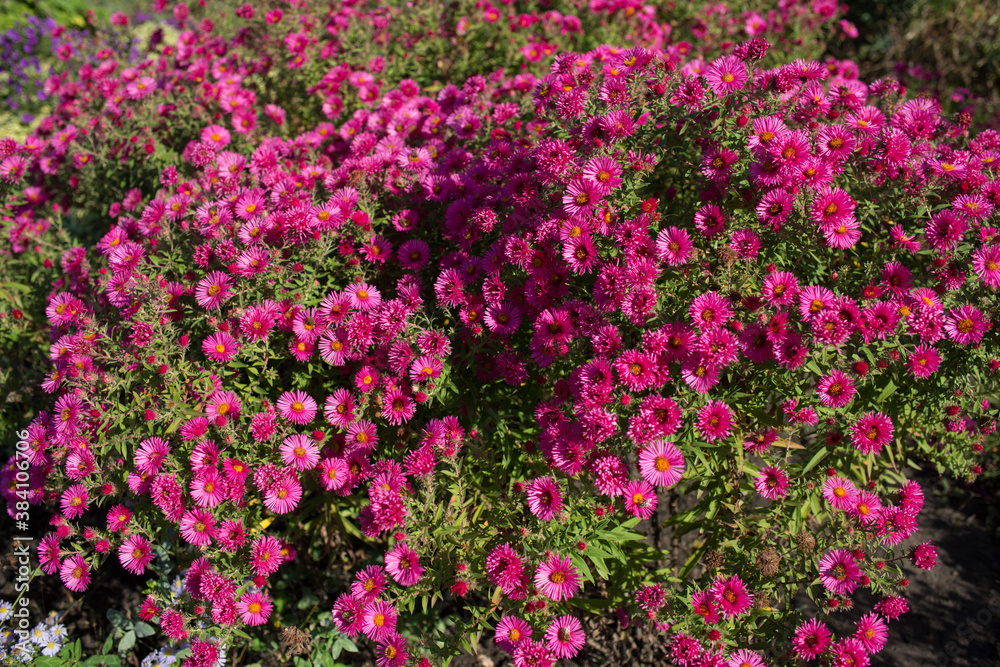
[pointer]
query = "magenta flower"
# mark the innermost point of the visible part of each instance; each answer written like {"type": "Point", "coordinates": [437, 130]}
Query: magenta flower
{"type": "Point", "coordinates": [544, 499]}
{"type": "Point", "coordinates": [581, 196]}
{"type": "Point", "coordinates": [710, 310]}
{"type": "Point", "coordinates": [75, 573]}
{"type": "Point", "coordinates": [745, 658]}
{"type": "Point", "coordinates": [392, 651]}
{"type": "Point", "coordinates": [135, 553]}
{"type": "Point", "coordinates": [403, 565]}
{"type": "Point", "coordinates": [212, 290]}
{"type": "Point", "coordinates": [299, 452]}
{"type": "Point", "coordinates": [772, 483]}
{"type": "Point", "coordinates": [510, 632]}
{"type": "Point", "coordinates": [565, 637]}
{"type": "Point", "coordinates": [872, 632]}
{"type": "Point", "coordinates": [986, 264]}
{"type": "Point", "coordinates": [835, 390]}
{"type": "Point", "coordinates": [364, 297]}
{"type": "Point", "coordinates": [197, 527]}
{"type": "Point", "coordinates": [297, 407]}
{"type": "Point", "coordinates": [254, 608]}
{"type": "Point", "coordinates": [220, 346]}
{"type": "Point", "coordinates": [923, 361]}
{"type": "Point", "coordinates": [726, 75]}
{"type": "Point", "coordinates": [872, 432]}
{"type": "Point", "coordinates": [74, 501]}
{"type": "Point", "coordinates": [839, 572]}
{"type": "Point", "coordinates": [557, 579]}
{"type": "Point", "coordinates": [840, 493]}
{"type": "Point", "coordinates": [379, 620]}
{"type": "Point", "coordinates": [704, 604]}
{"type": "Point", "coordinates": [966, 325]}
{"type": "Point", "coordinates": [284, 495]}
{"type": "Point", "coordinates": [265, 555]}
{"type": "Point", "coordinates": [674, 246]}
{"type": "Point", "coordinates": [661, 463]}
{"type": "Point", "coordinates": [715, 421]}
{"type": "Point", "coordinates": [640, 499]}
{"type": "Point", "coordinates": [731, 595]}
{"type": "Point", "coordinates": [812, 639]}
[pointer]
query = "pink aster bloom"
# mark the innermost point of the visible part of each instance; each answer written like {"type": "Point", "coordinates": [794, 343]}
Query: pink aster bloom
{"type": "Point", "coordinates": [661, 463]}
{"type": "Point", "coordinates": [872, 632]}
{"type": "Point", "coordinates": [254, 608]}
{"type": "Point", "coordinates": [704, 603]}
{"type": "Point", "coordinates": [732, 596]}
{"type": "Point", "coordinates": [835, 390]}
{"type": "Point", "coordinates": [966, 325]}
{"type": "Point", "coordinates": [224, 404]}
{"type": "Point", "coordinates": [207, 489]}
{"type": "Point", "coordinates": [75, 573]}
{"type": "Point", "coordinates": [872, 432]}
{"type": "Point", "coordinates": [557, 579]}
{"type": "Point", "coordinates": [544, 499]}
{"type": "Point", "coordinates": [812, 639]}
{"type": "Point", "coordinates": [674, 246]}
{"type": "Point", "coordinates": [715, 421]}
{"type": "Point", "coordinates": [839, 572]}
{"type": "Point", "coordinates": [348, 614]}
{"type": "Point", "coordinates": [284, 495]}
{"type": "Point", "coordinates": [425, 368]}
{"type": "Point", "coordinates": [197, 527]}
{"type": "Point", "coordinates": [379, 620]}
{"type": "Point", "coordinates": [726, 75]}
{"type": "Point", "coordinates": [986, 264]}
{"type": "Point", "coordinates": [604, 172]}
{"type": "Point", "coordinates": [135, 553]}
{"type": "Point", "coordinates": [710, 310]}
{"type": "Point", "coordinates": [772, 483]}
{"type": "Point", "coordinates": [397, 406]}
{"type": "Point", "coordinates": [565, 637]}
{"type": "Point", "coordinates": [118, 518]}
{"type": "Point", "coordinates": [300, 452]}
{"type": "Point", "coordinates": [840, 493]}
{"type": "Point", "coordinates": [849, 652]}
{"type": "Point", "coordinates": [333, 473]}
{"type": "Point", "coordinates": [745, 658]}
{"type": "Point", "coordinates": [403, 565]}
{"type": "Point", "coordinates": [581, 196]}
{"type": "Point", "coordinates": [392, 651]}
{"type": "Point", "coordinates": [212, 290]}
{"type": "Point", "coordinates": [923, 361]}
{"type": "Point", "coordinates": [220, 346]}
{"type": "Point", "coordinates": [640, 499]}
{"type": "Point", "coordinates": [510, 632]}
{"type": "Point", "coordinates": [297, 407]}
{"type": "Point", "coordinates": [369, 583]}
{"type": "Point", "coordinates": [363, 296]}
{"type": "Point", "coordinates": [74, 501]}
{"type": "Point", "coordinates": [265, 555]}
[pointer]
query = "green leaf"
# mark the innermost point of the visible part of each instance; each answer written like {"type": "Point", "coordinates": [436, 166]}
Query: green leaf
{"type": "Point", "coordinates": [118, 620]}
{"type": "Point", "coordinates": [815, 460]}
{"type": "Point", "coordinates": [143, 629]}
{"type": "Point", "coordinates": [889, 390]}
{"type": "Point", "coordinates": [48, 661]}
{"type": "Point", "coordinates": [127, 642]}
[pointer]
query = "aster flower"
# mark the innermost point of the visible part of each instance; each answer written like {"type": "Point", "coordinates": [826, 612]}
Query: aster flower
{"type": "Point", "coordinates": [715, 421]}
{"type": "Point", "coordinates": [265, 555]}
{"type": "Point", "coordinates": [284, 495]}
{"type": "Point", "coordinates": [674, 246]}
{"type": "Point", "coordinates": [339, 408]}
{"type": "Point", "coordinates": [726, 75]}
{"type": "Point", "coordinates": [224, 405]}
{"type": "Point", "coordinates": [75, 573]}
{"type": "Point", "coordinates": [254, 608]}
{"type": "Point", "coordinates": [403, 565]}
{"type": "Point", "coordinates": [300, 452]}
{"type": "Point", "coordinates": [772, 483]}
{"type": "Point", "coordinates": [839, 572]}
{"type": "Point", "coordinates": [544, 499]}
{"type": "Point", "coordinates": [197, 527]}
{"type": "Point", "coordinates": [379, 620]}
{"type": "Point", "coordinates": [704, 603]}
{"type": "Point", "coordinates": [135, 554]}
{"type": "Point", "coordinates": [849, 652]}
{"type": "Point", "coordinates": [986, 264]}
{"type": "Point", "coordinates": [119, 517]}
{"type": "Point", "coordinates": [392, 651]}
{"type": "Point", "coordinates": [565, 637]}
{"type": "Point", "coordinates": [872, 632]}
{"type": "Point", "coordinates": [710, 310]}
{"type": "Point", "coordinates": [348, 614]}
{"type": "Point", "coordinates": [872, 432]}
{"type": "Point", "coordinates": [397, 406]}
{"type": "Point", "coordinates": [213, 290]}
{"type": "Point", "coordinates": [510, 632]}
{"type": "Point", "coordinates": [220, 346]}
{"type": "Point", "coordinates": [731, 595]}
{"type": "Point", "coordinates": [745, 658]}
{"type": "Point", "coordinates": [207, 489]}
{"type": "Point", "coordinates": [74, 501]}
{"type": "Point", "coordinates": [363, 296]}
{"type": "Point", "coordinates": [840, 493]}
{"type": "Point", "coordinates": [297, 407]}
{"type": "Point", "coordinates": [923, 361]}
{"type": "Point", "coordinates": [966, 325]}
{"type": "Point", "coordinates": [369, 583]}
{"type": "Point", "coordinates": [605, 172]}
{"type": "Point", "coordinates": [151, 454]}
{"type": "Point", "coordinates": [866, 507]}
{"type": "Point", "coordinates": [812, 639]}
{"type": "Point", "coordinates": [835, 390]}
{"type": "Point", "coordinates": [661, 463]}
{"type": "Point", "coordinates": [640, 499]}
{"type": "Point", "coordinates": [557, 579]}
{"type": "Point", "coordinates": [581, 197]}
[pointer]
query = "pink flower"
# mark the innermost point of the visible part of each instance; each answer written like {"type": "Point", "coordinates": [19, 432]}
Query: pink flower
{"type": "Point", "coordinates": [212, 290]}
{"type": "Point", "coordinates": [557, 579]}
{"type": "Point", "coordinates": [674, 246]}
{"type": "Point", "coordinates": [715, 421]}
{"type": "Point", "coordinates": [732, 596]}
{"type": "Point", "coordinates": [812, 639]}
{"type": "Point", "coordinates": [581, 197]}
{"type": "Point", "coordinates": [966, 325]}
{"type": "Point", "coordinates": [661, 463]}
{"type": "Point", "coordinates": [297, 407]}
{"type": "Point", "coordinates": [197, 527]}
{"type": "Point", "coordinates": [224, 404]}
{"type": "Point", "coordinates": [510, 632]}
{"type": "Point", "coordinates": [379, 620]}
{"type": "Point", "coordinates": [135, 553]}
{"type": "Point", "coordinates": [369, 583]}
{"type": "Point", "coordinates": [265, 555]}
{"type": "Point", "coordinates": [392, 651]}
{"type": "Point", "coordinates": [772, 483]}
{"type": "Point", "coordinates": [923, 361]}
{"type": "Point", "coordinates": [299, 452]}
{"type": "Point", "coordinates": [872, 432]}
{"type": "Point", "coordinates": [986, 263]}
{"type": "Point", "coordinates": [565, 637]}
{"type": "Point", "coordinates": [839, 572]}
{"type": "Point", "coordinates": [710, 310]}
{"type": "Point", "coordinates": [835, 390]}
{"type": "Point", "coordinates": [640, 499]}
{"type": "Point", "coordinates": [726, 75]}
{"type": "Point", "coordinates": [254, 608]}
{"type": "Point", "coordinates": [544, 499]}
{"type": "Point", "coordinates": [872, 632]}
{"type": "Point", "coordinates": [403, 565]}
{"type": "Point", "coordinates": [745, 658]}
{"type": "Point", "coordinates": [74, 501]}
{"type": "Point", "coordinates": [363, 296]}
{"type": "Point", "coordinates": [704, 603]}
{"type": "Point", "coordinates": [75, 573]}
{"type": "Point", "coordinates": [220, 346]}
{"type": "Point", "coordinates": [284, 495]}
{"type": "Point", "coordinates": [840, 493]}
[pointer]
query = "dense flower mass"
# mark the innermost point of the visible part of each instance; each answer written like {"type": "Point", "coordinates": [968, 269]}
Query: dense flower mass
{"type": "Point", "coordinates": [490, 320]}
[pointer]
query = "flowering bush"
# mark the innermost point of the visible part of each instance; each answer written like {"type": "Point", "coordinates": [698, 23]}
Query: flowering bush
{"type": "Point", "coordinates": [502, 326]}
